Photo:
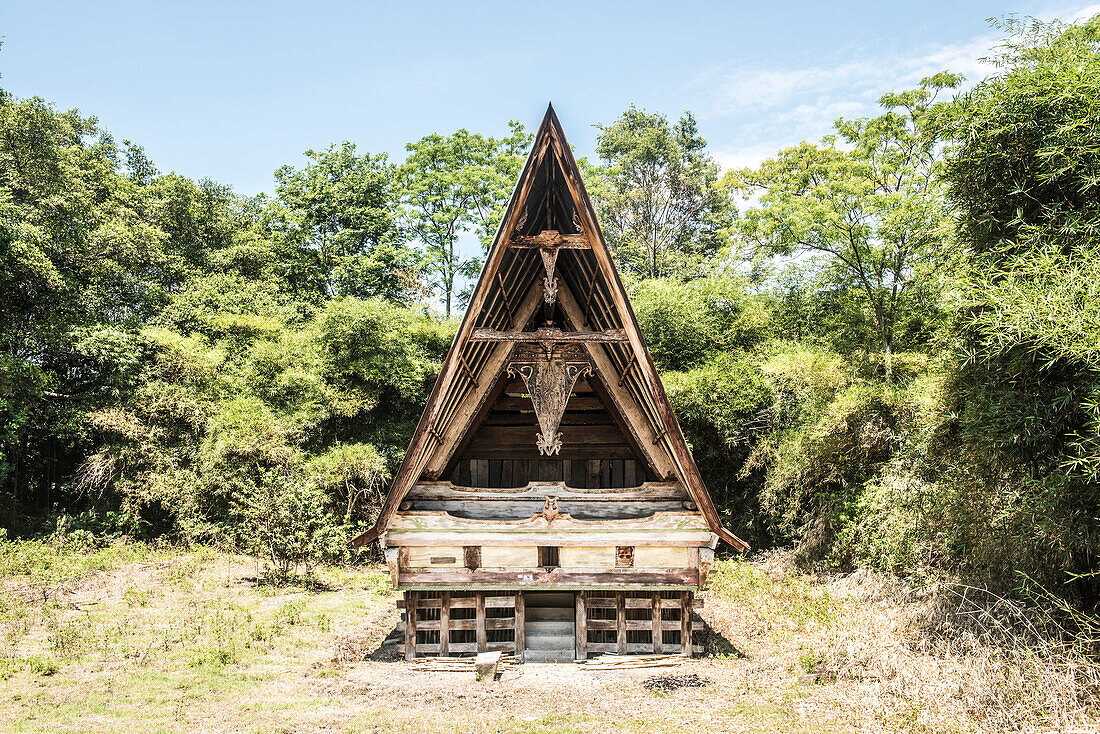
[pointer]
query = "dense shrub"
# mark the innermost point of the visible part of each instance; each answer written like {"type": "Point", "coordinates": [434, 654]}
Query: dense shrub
{"type": "Point", "coordinates": [1021, 438]}
{"type": "Point", "coordinates": [289, 521]}
{"type": "Point", "coordinates": [686, 323]}
{"type": "Point", "coordinates": [723, 407]}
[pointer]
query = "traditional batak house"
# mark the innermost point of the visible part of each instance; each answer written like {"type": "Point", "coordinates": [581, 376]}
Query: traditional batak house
{"type": "Point", "coordinates": [548, 505]}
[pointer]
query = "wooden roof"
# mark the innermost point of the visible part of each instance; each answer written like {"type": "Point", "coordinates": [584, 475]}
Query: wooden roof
{"type": "Point", "coordinates": [549, 210]}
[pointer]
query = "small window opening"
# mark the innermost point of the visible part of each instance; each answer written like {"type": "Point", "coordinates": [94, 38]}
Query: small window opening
{"type": "Point", "coordinates": [624, 556]}
{"type": "Point", "coordinates": [548, 556]}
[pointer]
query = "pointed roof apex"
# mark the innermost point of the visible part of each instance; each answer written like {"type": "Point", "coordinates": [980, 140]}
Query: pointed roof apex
{"type": "Point", "coordinates": [549, 249]}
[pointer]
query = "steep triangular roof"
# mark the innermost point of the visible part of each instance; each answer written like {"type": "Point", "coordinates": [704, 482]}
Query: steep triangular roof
{"type": "Point", "coordinates": [549, 206]}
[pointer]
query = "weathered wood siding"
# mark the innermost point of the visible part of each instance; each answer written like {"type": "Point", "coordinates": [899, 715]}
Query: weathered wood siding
{"type": "Point", "coordinates": [595, 450]}
{"type": "Point", "coordinates": [504, 556]}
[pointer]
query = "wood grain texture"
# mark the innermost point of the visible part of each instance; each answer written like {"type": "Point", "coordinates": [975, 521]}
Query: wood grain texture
{"type": "Point", "coordinates": [556, 578]}
{"type": "Point", "coordinates": [586, 556]}
{"type": "Point", "coordinates": [435, 556]}
{"type": "Point", "coordinates": [656, 556]}
{"type": "Point", "coordinates": [504, 556]}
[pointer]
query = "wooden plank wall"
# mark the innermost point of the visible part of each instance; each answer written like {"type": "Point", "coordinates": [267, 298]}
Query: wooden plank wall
{"type": "Point", "coordinates": [502, 451]}
{"type": "Point", "coordinates": [455, 623]}
{"type": "Point", "coordinates": [497, 473]}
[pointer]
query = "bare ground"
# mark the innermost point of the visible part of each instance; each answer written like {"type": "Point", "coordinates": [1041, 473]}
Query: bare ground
{"type": "Point", "coordinates": [194, 643]}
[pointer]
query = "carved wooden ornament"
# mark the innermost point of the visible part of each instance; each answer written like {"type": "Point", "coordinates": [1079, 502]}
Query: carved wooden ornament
{"type": "Point", "coordinates": [549, 372]}
{"type": "Point", "coordinates": [550, 282]}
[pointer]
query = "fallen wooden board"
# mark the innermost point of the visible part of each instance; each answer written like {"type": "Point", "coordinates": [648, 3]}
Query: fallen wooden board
{"type": "Point", "coordinates": [458, 665]}
{"type": "Point", "coordinates": [621, 662]}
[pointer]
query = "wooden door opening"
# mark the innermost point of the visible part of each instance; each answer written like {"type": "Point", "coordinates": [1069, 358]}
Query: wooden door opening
{"type": "Point", "coordinates": [549, 629]}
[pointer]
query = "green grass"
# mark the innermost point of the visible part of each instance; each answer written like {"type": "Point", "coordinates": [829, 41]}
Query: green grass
{"type": "Point", "coordinates": [778, 597]}
{"type": "Point", "coordinates": [136, 635]}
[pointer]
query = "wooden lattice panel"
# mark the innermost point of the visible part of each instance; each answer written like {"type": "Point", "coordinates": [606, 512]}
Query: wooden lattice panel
{"type": "Point", "coordinates": [451, 623]}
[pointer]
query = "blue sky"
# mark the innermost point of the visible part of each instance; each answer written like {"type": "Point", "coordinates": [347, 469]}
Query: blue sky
{"type": "Point", "coordinates": [233, 90]}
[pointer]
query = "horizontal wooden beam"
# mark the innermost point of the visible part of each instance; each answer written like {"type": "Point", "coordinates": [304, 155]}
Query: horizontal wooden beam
{"type": "Point", "coordinates": [539, 490]}
{"type": "Point", "coordinates": [553, 578]}
{"type": "Point", "coordinates": [550, 238]}
{"type": "Point", "coordinates": [550, 336]}
{"type": "Point", "coordinates": [663, 539]}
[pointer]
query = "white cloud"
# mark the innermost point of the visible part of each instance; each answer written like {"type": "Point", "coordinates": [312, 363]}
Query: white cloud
{"type": "Point", "coordinates": [735, 90]}
{"type": "Point", "coordinates": [770, 109]}
{"type": "Point", "coordinates": [732, 157]}
{"type": "Point", "coordinates": [1072, 16]}
{"type": "Point", "coordinates": [763, 110]}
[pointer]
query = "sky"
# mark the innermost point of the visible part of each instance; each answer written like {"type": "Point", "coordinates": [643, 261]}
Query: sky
{"type": "Point", "coordinates": [233, 90]}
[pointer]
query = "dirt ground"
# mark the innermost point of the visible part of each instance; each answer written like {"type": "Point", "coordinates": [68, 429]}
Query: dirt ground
{"type": "Point", "coordinates": [186, 643]}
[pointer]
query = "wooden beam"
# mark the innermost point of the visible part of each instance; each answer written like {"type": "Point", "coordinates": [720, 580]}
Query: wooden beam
{"type": "Point", "coordinates": [410, 624]}
{"type": "Point", "coordinates": [685, 624]}
{"type": "Point", "coordinates": [649, 491]}
{"type": "Point", "coordinates": [658, 635]}
{"type": "Point", "coordinates": [480, 612]}
{"type": "Point", "coordinates": [554, 578]}
{"type": "Point", "coordinates": [445, 624]}
{"type": "Point", "coordinates": [520, 617]}
{"type": "Point", "coordinates": [551, 238]}
{"type": "Point", "coordinates": [620, 621]}
{"type": "Point", "coordinates": [437, 521]}
{"type": "Point", "coordinates": [581, 629]}
{"type": "Point", "coordinates": [553, 336]}
{"type": "Point", "coordinates": [504, 297]}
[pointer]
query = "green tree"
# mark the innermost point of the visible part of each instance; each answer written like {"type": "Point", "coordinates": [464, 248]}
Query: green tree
{"type": "Point", "coordinates": [451, 185]}
{"type": "Point", "coordinates": [79, 261]}
{"type": "Point", "coordinates": [342, 206]}
{"type": "Point", "coordinates": [657, 192]}
{"type": "Point", "coordinates": [872, 208]}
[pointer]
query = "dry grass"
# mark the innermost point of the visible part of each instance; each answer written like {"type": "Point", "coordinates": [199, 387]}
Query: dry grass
{"type": "Point", "coordinates": [1008, 665]}
{"type": "Point", "coordinates": [189, 642]}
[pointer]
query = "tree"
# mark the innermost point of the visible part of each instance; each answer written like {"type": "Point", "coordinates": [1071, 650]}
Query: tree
{"type": "Point", "coordinates": [79, 266]}
{"type": "Point", "coordinates": [343, 208]}
{"type": "Point", "coordinates": [873, 207]}
{"type": "Point", "coordinates": [657, 192]}
{"type": "Point", "coordinates": [452, 185]}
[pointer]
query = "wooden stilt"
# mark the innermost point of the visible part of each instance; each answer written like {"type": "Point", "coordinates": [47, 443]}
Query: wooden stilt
{"type": "Point", "coordinates": [445, 624]}
{"type": "Point", "coordinates": [620, 621]}
{"type": "Point", "coordinates": [685, 623]}
{"type": "Point", "coordinates": [658, 632]}
{"type": "Point", "coordinates": [481, 637]}
{"type": "Point", "coordinates": [520, 615]}
{"type": "Point", "coordinates": [582, 627]}
{"type": "Point", "coordinates": [410, 625]}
